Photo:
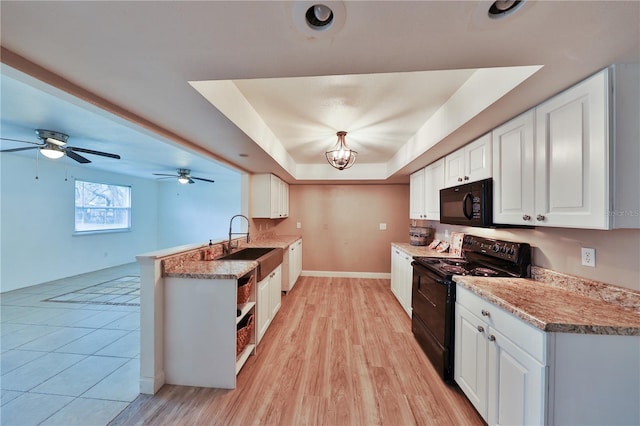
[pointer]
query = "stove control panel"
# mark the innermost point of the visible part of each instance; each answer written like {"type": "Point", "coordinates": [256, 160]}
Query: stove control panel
{"type": "Point", "coordinates": [506, 250]}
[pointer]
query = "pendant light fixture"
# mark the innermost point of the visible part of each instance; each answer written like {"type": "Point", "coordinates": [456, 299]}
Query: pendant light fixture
{"type": "Point", "coordinates": [340, 156]}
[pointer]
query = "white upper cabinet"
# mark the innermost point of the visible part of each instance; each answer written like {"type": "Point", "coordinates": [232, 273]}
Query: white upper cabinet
{"type": "Point", "coordinates": [269, 197]}
{"type": "Point", "coordinates": [470, 163]}
{"type": "Point", "coordinates": [513, 183]}
{"type": "Point", "coordinates": [572, 162]}
{"type": "Point", "coordinates": [425, 186]}
{"type": "Point", "coordinates": [433, 183]}
{"type": "Point", "coordinates": [416, 195]}
{"type": "Point", "coordinates": [572, 151]}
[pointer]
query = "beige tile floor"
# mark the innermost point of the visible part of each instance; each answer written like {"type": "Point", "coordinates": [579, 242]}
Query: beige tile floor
{"type": "Point", "coordinates": [74, 361]}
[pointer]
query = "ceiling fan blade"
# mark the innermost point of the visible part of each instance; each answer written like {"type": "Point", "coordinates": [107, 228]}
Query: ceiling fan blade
{"type": "Point", "coordinates": [78, 158]}
{"type": "Point", "coordinates": [202, 179]}
{"type": "Point", "coordinates": [89, 151]}
{"type": "Point", "coordinates": [20, 140]}
{"type": "Point", "coordinates": [164, 174]}
{"type": "Point", "coordinates": [19, 149]}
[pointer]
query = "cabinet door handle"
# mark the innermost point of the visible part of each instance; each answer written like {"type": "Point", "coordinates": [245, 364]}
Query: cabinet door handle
{"type": "Point", "coordinates": [466, 178]}
{"type": "Point", "coordinates": [492, 338]}
{"type": "Point", "coordinates": [526, 217]}
{"type": "Point", "coordinates": [459, 179]}
{"type": "Point", "coordinates": [481, 329]}
{"type": "Point", "coordinates": [484, 313]}
{"type": "Point", "coordinates": [540, 218]}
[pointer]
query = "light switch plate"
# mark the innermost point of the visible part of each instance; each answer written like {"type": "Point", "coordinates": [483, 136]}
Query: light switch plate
{"type": "Point", "coordinates": [298, 225]}
{"type": "Point", "coordinates": [589, 257]}
{"type": "Point", "coordinates": [383, 226]}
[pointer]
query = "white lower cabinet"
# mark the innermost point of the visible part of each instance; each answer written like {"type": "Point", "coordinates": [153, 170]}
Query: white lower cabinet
{"type": "Point", "coordinates": [516, 374]}
{"type": "Point", "coordinates": [268, 300]}
{"type": "Point", "coordinates": [401, 277]}
{"type": "Point", "coordinates": [504, 382]}
{"type": "Point", "coordinates": [294, 265]}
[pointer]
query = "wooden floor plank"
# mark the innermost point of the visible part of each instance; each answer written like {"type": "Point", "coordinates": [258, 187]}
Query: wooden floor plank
{"type": "Point", "coordinates": [339, 352]}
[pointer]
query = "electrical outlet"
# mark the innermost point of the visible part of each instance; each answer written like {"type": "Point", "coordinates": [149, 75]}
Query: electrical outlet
{"type": "Point", "coordinates": [298, 225]}
{"type": "Point", "coordinates": [383, 226]}
{"type": "Point", "coordinates": [589, 257]}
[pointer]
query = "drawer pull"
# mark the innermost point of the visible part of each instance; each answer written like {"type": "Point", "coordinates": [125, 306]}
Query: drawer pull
{"type": "Point", "coordinates": [484, 313]}
{"type": "Point", "coordinates": [492, 338]}
{"type": "Point", "coordinates": [481, 329]}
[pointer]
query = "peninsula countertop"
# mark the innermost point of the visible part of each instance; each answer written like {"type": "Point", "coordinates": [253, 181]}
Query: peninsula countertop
{"type": "Point", "coordinates": [191, 266]}
{"type": "Point", "coordinates": [562, 308]}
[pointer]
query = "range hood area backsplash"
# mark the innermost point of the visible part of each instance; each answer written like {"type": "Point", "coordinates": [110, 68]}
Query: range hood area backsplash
{"type": "Point", "coordinates": [558, 249]}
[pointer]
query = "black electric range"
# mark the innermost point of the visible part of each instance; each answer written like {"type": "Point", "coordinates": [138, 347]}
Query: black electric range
{"type": "Point", "coordinates": [433, 293]}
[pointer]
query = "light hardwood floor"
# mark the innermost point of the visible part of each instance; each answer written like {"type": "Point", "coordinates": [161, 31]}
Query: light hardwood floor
{"type": "Point", "coordinates": [339, 352]}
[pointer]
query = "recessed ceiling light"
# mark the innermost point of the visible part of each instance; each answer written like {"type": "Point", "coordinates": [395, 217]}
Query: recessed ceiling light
{"type": "Point", "coordinates": [502, 8]}
{"type": "Point", "coordinates": [319, 16]}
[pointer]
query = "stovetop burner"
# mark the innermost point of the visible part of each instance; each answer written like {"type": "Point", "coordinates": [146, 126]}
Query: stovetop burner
{"type": "Point", "coordinates": [454, 269]}
{"type": "Point", "coordinates": [456, 262]}
{"type": "Point", "coordinates": [484, 272]}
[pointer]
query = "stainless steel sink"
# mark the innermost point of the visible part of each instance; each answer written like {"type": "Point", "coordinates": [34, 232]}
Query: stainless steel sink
{"type": "Point", "coordinates": [268, 258]}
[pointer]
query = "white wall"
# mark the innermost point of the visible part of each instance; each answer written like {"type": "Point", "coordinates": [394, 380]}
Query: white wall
{"type": "Point", "coordinates": [198, 212]}
{"type": "Point", "coordinates": [37, 219]}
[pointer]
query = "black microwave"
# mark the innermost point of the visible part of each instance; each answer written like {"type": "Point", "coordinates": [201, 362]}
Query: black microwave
{"type": "Point", "coordinates": [470, 204]}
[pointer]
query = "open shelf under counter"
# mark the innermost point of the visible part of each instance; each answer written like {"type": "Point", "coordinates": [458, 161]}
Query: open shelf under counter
{"type": "Point", "coordinates": [244, 356]}
{"type": "Point", "coordinates": [245, 308]}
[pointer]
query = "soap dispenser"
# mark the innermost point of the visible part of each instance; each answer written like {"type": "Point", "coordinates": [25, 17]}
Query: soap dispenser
{"type": "Point", "coordinates": [209, 254]}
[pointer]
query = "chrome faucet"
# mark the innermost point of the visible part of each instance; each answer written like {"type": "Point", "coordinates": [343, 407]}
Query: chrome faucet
{"type": "Point", "coordinates": [229, 248]}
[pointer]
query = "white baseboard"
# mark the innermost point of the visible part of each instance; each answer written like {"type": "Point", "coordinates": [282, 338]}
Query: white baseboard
{"type": "Point", "coordinates": [343, 274]}
{"type": "Point", "coordinates": [151, 385]}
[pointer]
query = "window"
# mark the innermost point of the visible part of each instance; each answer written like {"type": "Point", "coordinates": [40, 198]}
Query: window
{"type": "Point", "coordinates": [101, 207]}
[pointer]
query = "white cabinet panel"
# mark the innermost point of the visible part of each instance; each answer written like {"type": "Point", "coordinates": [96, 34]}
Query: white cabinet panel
{"type": "Point", "coordinates": [269, 197]}
{"type": "Point", "coordinates": [401, 278]}
{"type": "Point", "coordinates": [425, 186]}
{"type": "Point", "coordinates": [433, 183]}
{"type": "Point", "coordinates": [471, 163]}
{"type": "Point", "coordinates": [513, 177]}
{"type": "Point", "coordinates": [572, 157]}
{"type": "Point", "coordinates": [416, 195]}
{"type": "Point", "coordinates": [501, 378]}
{"type": "Point", "coordinates": [516, 391]}
{"type": "Point", "coordinates": [269, 300]}
{"type": "Point", "coordinates": [263, 308]}
{"type": "Point", "coordinates": [470, 358]}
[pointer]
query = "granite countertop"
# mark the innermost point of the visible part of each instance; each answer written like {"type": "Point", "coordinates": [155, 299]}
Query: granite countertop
{"type": "Point", "coordinates": [210, 269]}
{"type": "Point", "coordinates": [553, 305]}
{"type": "Point", "coordinates": [415, 251]}
{"type": "Point", "coordinates": [190, 265]}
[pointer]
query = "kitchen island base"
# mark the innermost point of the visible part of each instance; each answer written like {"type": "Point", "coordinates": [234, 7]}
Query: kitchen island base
{"type": "Point", "coordinates": [200, 332]}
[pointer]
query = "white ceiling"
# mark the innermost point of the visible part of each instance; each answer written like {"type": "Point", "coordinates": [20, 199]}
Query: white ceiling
{"type": "Point", "coordinates": [248, 84]}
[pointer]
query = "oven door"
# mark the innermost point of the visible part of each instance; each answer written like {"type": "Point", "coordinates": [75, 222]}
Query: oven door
{"type": "Point", "coordinates": [432, 318]}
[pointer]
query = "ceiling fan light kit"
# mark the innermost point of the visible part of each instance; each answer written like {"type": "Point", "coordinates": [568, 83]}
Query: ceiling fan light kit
{"type": "Point", "coordinates": [54, 146]}
{"type": "Point", "coordinates": [52, 150]}
{"type": "Point", "coordinates": [340, 156]}
{"type": "Point", "coordinates": [184, 177]}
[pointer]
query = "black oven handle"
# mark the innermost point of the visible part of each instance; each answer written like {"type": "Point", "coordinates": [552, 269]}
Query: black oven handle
{"type": "Point", "coordinates": [467, 214]}
{"type": "Point", "coordinates": [421, 269]}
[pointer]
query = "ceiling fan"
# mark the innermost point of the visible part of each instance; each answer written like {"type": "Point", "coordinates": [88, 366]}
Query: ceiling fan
{"type": "Point", "coordinates": [184, 177]}
{"type": "Point", "coordinates": [54, 145]}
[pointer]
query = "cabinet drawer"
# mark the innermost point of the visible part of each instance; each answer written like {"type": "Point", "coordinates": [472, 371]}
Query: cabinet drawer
{"type": "Point", "coordinates": [527, 337]}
